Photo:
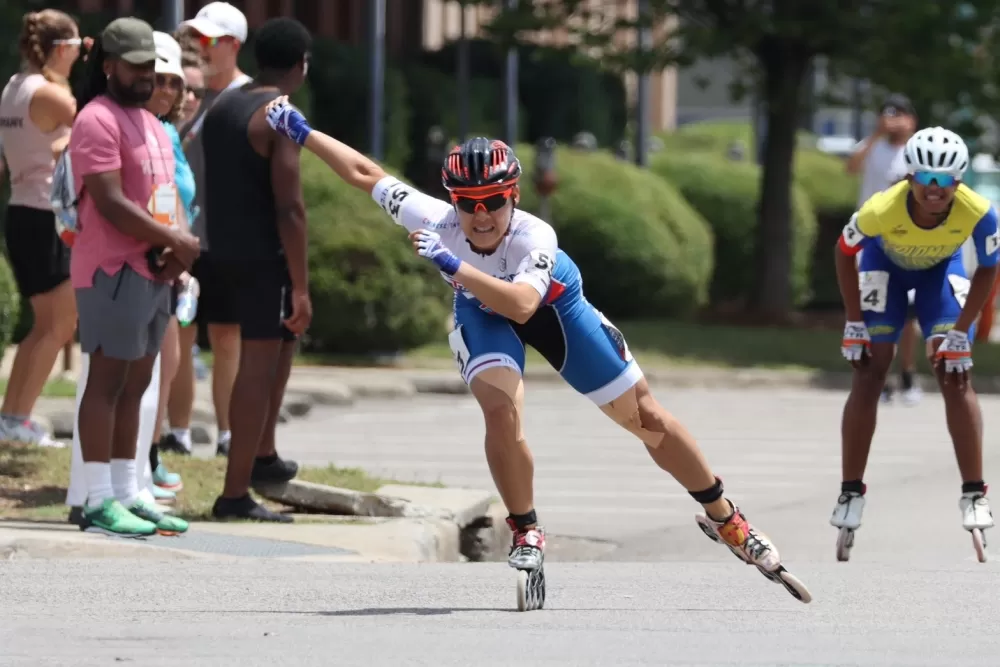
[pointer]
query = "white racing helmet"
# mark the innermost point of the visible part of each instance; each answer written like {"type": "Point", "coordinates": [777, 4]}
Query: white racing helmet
{"type": "Point", "coordinates": [936, 149]}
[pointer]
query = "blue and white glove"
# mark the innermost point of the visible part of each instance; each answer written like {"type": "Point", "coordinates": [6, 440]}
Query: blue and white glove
{"type": "Point", "coordinates": [288, 121]}
{"type": "Point", "coordinates": [429, 245]}
{"type": "Point", "coordinates": [956, 351]}
{"type": "Point", "coordinates": [856, 342]}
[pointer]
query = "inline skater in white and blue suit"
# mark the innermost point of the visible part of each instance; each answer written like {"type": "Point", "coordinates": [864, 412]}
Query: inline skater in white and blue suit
{"type": "Point", "coordinates": [515, 287]}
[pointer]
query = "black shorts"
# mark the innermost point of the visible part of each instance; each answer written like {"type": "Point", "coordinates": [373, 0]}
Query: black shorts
{"type": "Point", "coordinates": [256, 294]}
{"type": "Point", "coordinates": [38, 258]}
{"type": "Point", "coordinates": [214, 303]}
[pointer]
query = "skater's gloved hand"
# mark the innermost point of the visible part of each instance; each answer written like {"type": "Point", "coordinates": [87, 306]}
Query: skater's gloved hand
{"type": "Point", "coordinates": [288, 121]}
{"type": "Point", "coordinates": [857, 344]}
{"type": "Point", "coordinates": [429, 245]}
{"type": "Point", "coordinates": [955, 352]}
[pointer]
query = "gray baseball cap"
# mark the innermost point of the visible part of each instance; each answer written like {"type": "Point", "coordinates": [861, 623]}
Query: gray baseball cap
{"type": "Point", "coordinates": [130, 39]}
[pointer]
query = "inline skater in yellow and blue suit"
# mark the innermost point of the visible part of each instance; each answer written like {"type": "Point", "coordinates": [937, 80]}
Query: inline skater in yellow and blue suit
{"type": "Point", "coordinates": [912, 235]}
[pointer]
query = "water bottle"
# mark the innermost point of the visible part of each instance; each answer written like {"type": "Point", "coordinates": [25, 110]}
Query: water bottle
{"type": "Point", "coordinates": [187, 302]}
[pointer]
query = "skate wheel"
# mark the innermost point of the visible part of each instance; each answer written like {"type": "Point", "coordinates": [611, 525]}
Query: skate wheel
{"type": "Point", "coordinates": [979, 542]}
{"type": "Point", "coordinates": [530, 589]}
{"type": "Point", "coordinates": [845, 540]}
{"type": "Point", "coordinates": [794, 586]}
{"type": "Point", "coordinates": [522, 590]}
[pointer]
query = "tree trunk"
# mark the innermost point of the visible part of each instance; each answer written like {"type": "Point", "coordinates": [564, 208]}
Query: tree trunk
{"type": "Point", "coordinates": [784, 69]}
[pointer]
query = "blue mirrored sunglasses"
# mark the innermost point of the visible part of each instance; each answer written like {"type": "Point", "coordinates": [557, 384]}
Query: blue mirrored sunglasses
{"type": "Point", "coordinates": [928, 177]}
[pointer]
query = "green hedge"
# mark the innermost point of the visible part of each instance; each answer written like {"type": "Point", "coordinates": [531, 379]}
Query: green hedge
{"type": "Point", "coordinates": [834, 194]}
{"type": "Point", "coordinates": [830, 189]}
{"type": "Point", "coordinates": [10, 305]}
{"type": "Point", "coordinates": [371, 293]}
{"type": "Point", "coordinates": [726, 194]}
{"type": "Point", "coordinates": [642, 250]}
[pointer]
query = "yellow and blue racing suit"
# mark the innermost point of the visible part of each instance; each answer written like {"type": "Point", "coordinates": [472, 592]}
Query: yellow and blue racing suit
{"type": "Point", "coordinates": [900, 256]}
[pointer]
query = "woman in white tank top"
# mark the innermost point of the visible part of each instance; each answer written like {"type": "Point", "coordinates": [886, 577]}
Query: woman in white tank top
{"type": "Point", "coordinates": [36, 111]}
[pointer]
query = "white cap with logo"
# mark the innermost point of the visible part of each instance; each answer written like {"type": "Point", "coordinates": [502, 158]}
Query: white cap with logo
{"type": "Point", "coordinates": [168, 55]}
{"type": "Point", "coordinates": [219, 19]}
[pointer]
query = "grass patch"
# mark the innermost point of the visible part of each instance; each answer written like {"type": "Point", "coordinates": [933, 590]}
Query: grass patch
{"type": "Point", "coordinates": [55, 388]}
{"type": "Point", "coordinates": [33, 482]}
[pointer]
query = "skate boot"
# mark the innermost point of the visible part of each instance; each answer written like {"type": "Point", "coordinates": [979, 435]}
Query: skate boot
{"type": "Point", "coordinates": [527, 556]}
{"type": "Point", "coordinates": [976, 518]}
{"type": "Point", "coordinates": [754, 548]}
{"type": "Point", "coordinates": [847, 517]}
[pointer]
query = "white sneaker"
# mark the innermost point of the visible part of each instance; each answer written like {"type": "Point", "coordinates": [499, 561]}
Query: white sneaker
{"type": "Point", "coordinates": [848, 510]}
{"type": "Point", "coordinates": [975, 511]}
{"type": "Point", "coordinates": [912, 395]}
{"type": "Point", "coordinates": [27, 432]}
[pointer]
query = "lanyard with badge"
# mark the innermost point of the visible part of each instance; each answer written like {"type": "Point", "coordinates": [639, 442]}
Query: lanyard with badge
{"type": "Point", "coordinates": [162, 203]}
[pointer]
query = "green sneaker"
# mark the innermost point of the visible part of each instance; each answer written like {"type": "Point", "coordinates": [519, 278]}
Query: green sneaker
{"type": "Point", "coordinates": [113, 519]}
{"type": "Point", "coordinates": [165, 524]}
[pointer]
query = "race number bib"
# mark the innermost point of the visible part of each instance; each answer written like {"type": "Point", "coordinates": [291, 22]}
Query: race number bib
{"type": "Point", "coordinates": [540, 261]}
{"type": "Point", "coordinates": [852, 233]}
{"type": "Point", "coordinates": [392, 200]}
{"type": "Point", "coordinates": [874, 290]}
{"type": "Point", "coordinates": [456, 341]}
{"type": "Point", "coordinates": [960, 288]}
{"type": "Point", "coordinates": [163, 204]}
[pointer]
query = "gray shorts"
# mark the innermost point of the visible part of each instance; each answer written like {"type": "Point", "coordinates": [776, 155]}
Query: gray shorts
{"type": "Point", "coordinates": [124, 315]}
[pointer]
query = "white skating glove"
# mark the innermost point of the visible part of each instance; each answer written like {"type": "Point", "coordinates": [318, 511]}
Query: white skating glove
{"type": "Point", "coordinates": [956, 352]}
{"type": "Point", "coordinates": [856, 343]}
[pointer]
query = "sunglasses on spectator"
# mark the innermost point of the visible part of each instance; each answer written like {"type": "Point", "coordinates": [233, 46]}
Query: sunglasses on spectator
{"type": "Point", "coordinates": [928, 177]}
{"type": "Point", "coordinates": [209, 42]}
{"type": "Point", "coordinates": [199, 93]}
{"type": "Point", "coordinates": [168, 81]}
{"type": "Point", "coordinates": [489, 204]}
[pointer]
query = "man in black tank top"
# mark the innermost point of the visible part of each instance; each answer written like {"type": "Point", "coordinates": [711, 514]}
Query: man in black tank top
{"type": "Point", "coordinates": [257, 233]}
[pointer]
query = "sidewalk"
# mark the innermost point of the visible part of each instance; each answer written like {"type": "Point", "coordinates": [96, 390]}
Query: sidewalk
{"type": "Point", "coordinates": [449, 525]}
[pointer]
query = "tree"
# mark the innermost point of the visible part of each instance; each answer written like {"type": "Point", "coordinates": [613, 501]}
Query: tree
{"type": "Point", "coordinates": [938, 52]}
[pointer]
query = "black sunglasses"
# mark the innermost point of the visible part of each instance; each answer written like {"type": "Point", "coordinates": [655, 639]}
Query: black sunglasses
{"type": "Point", "coordinates": [492, 203]}
{"type": "Point", "coordinates": [199, 93]}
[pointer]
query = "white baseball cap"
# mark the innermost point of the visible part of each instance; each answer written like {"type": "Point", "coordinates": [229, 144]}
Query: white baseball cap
{"type": "Point", "coordinates": [219, 19]}
{"type": "Point", "coordinates": [168, 55]}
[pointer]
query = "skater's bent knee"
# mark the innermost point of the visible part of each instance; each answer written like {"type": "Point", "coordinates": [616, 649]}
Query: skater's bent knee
{"type": "Point", "coordinates": [637, 412]}
{"type": "Point", "coordinates": [500, 394]}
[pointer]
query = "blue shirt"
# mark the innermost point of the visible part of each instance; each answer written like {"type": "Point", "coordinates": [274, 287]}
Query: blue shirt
{"type": "Point", "coordinates": [183, 176]}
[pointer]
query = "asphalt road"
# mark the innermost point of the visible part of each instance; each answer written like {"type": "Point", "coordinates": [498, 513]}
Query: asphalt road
{"type": "Point", "coordinates": [602, 614]}
{"type": "Point", "coordinates": [912, 594]}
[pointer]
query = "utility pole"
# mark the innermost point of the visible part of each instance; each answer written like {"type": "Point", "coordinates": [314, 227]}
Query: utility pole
{"type": "Point", "coordinates": [376, 53]}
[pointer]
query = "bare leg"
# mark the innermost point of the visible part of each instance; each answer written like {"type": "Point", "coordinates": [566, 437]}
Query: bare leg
{"type": "Point", "coordinates": [54, 325]}
{"type": "Point", "coordinates": [861, 411]}
{"type": "Point", "coordinates": [500, 394]}
{"type": "Point", "coordinates": [225, 341]}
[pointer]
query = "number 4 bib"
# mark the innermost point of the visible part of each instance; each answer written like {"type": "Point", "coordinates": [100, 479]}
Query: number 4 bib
{"type": "Point", "coordinates": [874, 290]}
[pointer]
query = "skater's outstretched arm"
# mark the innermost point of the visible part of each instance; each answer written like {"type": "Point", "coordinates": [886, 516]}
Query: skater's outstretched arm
{"type": "Point", "coordinates": [353, 167]}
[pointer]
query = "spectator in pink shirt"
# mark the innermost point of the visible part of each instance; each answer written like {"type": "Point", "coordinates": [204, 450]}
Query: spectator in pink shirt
{"type": "Point", "coordinates": [133, 241]}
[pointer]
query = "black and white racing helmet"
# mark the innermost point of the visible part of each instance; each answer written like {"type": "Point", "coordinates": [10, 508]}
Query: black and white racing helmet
{"type": "Point", "coordinates": [936, 149]}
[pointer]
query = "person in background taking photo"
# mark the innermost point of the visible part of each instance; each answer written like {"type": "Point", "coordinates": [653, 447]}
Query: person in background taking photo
{"type": "Point", "coordinates": [36, 111]}
{"type": "Point", "coordinates": [879, 160]}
